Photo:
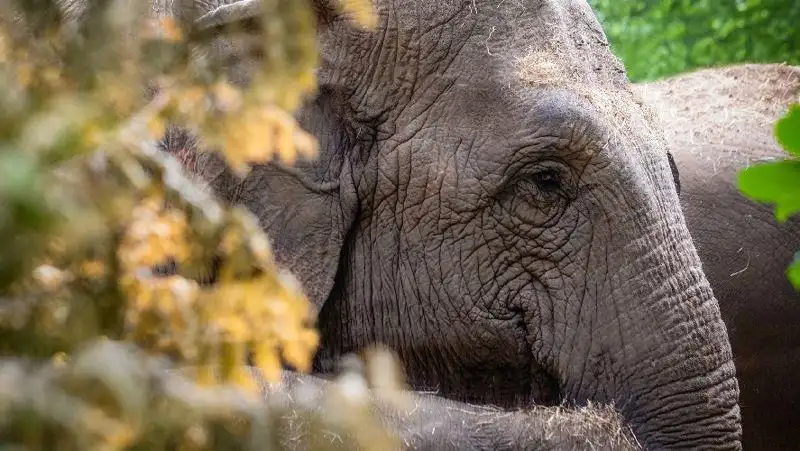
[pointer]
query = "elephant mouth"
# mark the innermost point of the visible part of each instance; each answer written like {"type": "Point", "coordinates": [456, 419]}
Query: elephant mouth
{"type": "Point", "coordinates": [542, 386]}
{"type": "Point", "coordinates": [504, 386]}
{"type": "Point", "coordinates": [545, 389]}
{"type": "Point", "coordinates": [524, 385]}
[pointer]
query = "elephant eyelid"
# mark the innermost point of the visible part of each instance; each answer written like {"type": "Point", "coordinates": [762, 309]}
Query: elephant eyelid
{"type": "Point", "coordinates": [550, 177]}
{"type": "Point", "coordinates": [547, 180]}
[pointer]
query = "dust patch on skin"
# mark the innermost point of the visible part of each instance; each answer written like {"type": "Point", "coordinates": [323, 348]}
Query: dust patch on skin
{"type": "Point", "coordinates": [558, 69]}
{"type": "Point", "coordinates": [540, 69]}
{"type": "Point", "coordinates": [715, 113]}
{"type": "Point", "coordinates": [572, 53]}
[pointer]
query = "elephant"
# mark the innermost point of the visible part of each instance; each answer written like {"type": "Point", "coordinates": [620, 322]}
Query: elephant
{"type": "Point", "coordinates": [718, 121]}
{"type": "Point", "coordinates": [493, 201]}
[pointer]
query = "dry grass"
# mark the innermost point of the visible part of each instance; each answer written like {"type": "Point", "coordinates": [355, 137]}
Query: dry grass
{"type": "Point", "coordinates": [730, 108]}
{"type": "Point", "coordinates": [455, 425]}
{"type": "Point", "coordinates": [591, 427]}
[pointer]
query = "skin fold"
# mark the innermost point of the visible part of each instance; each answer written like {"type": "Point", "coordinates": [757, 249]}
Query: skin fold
{"type": "Point", "coordinates": [495, 203]}
{"type": "Point", "coordinates": [717, 122]}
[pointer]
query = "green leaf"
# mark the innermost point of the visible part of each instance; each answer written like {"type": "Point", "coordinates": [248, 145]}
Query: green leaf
{"type": "Point", "coordinates": [787, 130]}
{"type": "Point", "coordinates": [775, 183]}
{"type": "Point", "coordinates": [794, 272]}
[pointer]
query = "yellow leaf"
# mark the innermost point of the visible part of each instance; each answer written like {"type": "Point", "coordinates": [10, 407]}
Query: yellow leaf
{"type": "Point", "coordinates": [267, 361]}
{"type": "Point", "coordinates": [156, 127]}
{"type": "Point", "coordinates": [60, 359]}
{"type": "Point", "coordinates": [286, 149]}
{"type": "Point", "coordinates": [170, 30]}
{"type": "Point", "coordinates": [25, 74]}
{"type": "Point", "coordinates": [204, 375]}
{"type": "Point", "coordinates": [229, 97]}
{"type": "Point", "coordinates": [362, 10]}
{"type": "Point", "coordinates": [93, 269]}
{"type": "Point", "coordinates": [244, 380]}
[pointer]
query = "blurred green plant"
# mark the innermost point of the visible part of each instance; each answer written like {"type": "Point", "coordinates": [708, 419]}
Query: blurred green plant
{"type": "Point", "coordinates": [88, 209]}
{"type": "Point", "coordinates": [659, 39]}
{"type": "Point", "coordinates": [778, 182]}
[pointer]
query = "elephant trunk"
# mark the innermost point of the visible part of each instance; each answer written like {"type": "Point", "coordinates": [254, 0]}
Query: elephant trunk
{"type": "Point", "coordinates": [659, 349]}
{"type": "Point", "coordinates": [682, 390]}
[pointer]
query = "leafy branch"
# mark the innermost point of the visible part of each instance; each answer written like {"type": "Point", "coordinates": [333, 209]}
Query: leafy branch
{"type": "Point", "coordinates": [89, 210]}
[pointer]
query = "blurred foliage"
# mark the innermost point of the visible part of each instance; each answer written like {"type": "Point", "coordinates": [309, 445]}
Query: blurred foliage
{"type": "Point", "coordinates": [112, 396]}
{"type": "Point", "coordinates": [88, 210]}
{"type": "Point", "coordinates": [778, 183]}
{"type": "Point", "coordinates": [659, 39]}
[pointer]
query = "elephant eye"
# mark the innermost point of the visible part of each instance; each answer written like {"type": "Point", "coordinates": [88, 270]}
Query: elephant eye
{"type": "Point", "coordinates": [539, 195]}
{"type": "Point", "coordinates": [544, 186]}
{"type": "Point", "coordinates": [548, 180]}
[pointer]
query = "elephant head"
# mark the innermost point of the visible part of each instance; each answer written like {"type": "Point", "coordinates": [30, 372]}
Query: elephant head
{"type": "Point", "coordinates": [492, 201]}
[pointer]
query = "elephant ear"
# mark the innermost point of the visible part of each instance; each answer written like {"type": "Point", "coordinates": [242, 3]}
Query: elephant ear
{"type": "Point", "coordinates": [308, 209]}
{"type": "Point", "coordinates": [207, 14]}
{"type": "Point", "coordinates": [231, 28]}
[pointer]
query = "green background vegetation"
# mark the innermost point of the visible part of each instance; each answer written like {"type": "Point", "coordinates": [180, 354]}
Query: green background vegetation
{"type": "Point", "coordinates": [656, 39]}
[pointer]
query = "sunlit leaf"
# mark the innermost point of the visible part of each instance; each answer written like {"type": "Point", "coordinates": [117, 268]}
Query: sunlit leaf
{"type": "Point", "coordinates": [658, 39]}
{"type": "Point", "coordinates": [794, 272]}
{"type": "Point", "coordinates": [787, 130]}
{"type": "Point", "coordinates": [776, 183]}
{"type": "Point", "coordinates": [118, 265]}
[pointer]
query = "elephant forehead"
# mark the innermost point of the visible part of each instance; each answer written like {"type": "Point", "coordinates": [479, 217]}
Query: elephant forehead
{"type": "Point", "coordinates": [485, 32]}
{"type": "Point", "coordinates": [618, 109]}
{"type": "Point", "coordinates": [571, 120]}
{"type": "Point", "coordinates": [506, 51]}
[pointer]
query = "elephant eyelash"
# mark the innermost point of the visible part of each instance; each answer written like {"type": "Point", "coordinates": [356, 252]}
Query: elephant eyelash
{"type": "Point", "coordinates": [547, 184]}
{"type": "Point", "coordinates": [540, 193]}
{"type": "Point", "coordinates": [549, 176]}
{"type": "Point", "coordinates": [540, 182]}
{"type": "Point", "coordinates": [548, 180]}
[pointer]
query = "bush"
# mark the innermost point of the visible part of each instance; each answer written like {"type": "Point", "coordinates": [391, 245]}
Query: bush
{"type": "Point", "coordinates": [92, 333]}
{"type": "Point", "coordinates": [659, 39]}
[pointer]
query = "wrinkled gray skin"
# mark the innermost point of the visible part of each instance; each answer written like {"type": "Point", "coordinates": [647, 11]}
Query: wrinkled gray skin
{"type": "Point", "coordinates": [493, 202]}
{"type": "Point", "coordinates": [717, 122]}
